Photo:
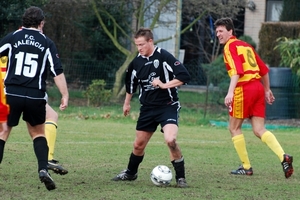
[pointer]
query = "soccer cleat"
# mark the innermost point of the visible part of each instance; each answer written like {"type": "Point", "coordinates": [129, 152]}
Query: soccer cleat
{"type": "Point", "coordinates": [287, 165]}
{"type": "Point", "coordinates": [181, 183]}
{"type": "Point", "coordinates": [242, 171]}
{"type": "Point", "coordinates": [123, 176]}
{"type": "Point", "coordinates": [56, 168]}
{"type": "Point", "coordinates": [46, 179]}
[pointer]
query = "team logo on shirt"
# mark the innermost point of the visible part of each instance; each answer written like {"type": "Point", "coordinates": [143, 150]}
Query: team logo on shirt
{"type": "Point", "coordinates": [147, 83]}
{"type": "Point", "coordinates": [156, 63]}
{"type": "Point", "coordinates": [176, 63]}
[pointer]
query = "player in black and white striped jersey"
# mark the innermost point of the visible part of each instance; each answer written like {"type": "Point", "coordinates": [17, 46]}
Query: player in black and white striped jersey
{"type": "Point", "coordinates": [157, 73]}
{"type": "Point", "coordinates": [30, 55]}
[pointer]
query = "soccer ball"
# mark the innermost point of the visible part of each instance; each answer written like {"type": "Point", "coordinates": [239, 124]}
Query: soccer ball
{"type": "Point", "coordinates": [161, 175]}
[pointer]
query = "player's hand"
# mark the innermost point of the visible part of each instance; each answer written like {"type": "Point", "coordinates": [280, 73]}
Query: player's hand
{"type": "Point", "coordinates": [63, 103]}
{"type": "Point", "coordinates": [126, 109]}
{"type": "Point", "coordinates": [228, 100]}
{"type": "Point", "coordinates": [156, 83]}
{"type": "Point", "coordinates": [269, 97]}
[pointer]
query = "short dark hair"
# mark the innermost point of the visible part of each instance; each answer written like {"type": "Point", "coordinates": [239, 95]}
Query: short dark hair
{"type": "Point", "coordinates": [144, 32]}
{"type": "Point", "coordinates": [32, 17]}
{"type": "Point", "coordinates": [227, 22]}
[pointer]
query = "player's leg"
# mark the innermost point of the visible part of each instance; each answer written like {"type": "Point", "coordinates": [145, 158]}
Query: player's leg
{"type": "Point", "coordinates": [136, 157]}
{"type": "Point", "coordinates": [4, 134]}
{"type": "Point", "coordinates": [239, 143]}
{"type": "Point", "coordinates": [41, 151]}
{"type": "Point", "coordinates": [145, 128]}
{"type": "Point", "coordinates": [269, 139]}
{"type": "Point", "coordinates": [50, 129]}
{"type": "Point", "coordinates": [50, 133]}
{"type": "Point", "coordinates": [16, 105]}
{"type": "Point", "coordinates": [238, 111]}
{"type": "Point", "coordinates": [258, 127]}
{"type": "Point", "coordinates": [35, 114]}
{"type": "Point", "coordinates": [168, 118]}
{"type": "Point", "coordinates": [170, 134]}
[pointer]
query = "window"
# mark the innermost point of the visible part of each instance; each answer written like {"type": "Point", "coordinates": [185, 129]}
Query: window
{"type": "Point", "coordinates": [274, 8]}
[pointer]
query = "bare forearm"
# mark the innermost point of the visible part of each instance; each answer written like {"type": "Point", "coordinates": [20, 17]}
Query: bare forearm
{"type": "Point", "coordinates": [60, 82]}
{"type": "Point", "coordinates": [266, 81]}
{"type": "Point", "coordinates": [233, 82]}
{"type": "Point", "coordinates": [127, 98]}
{"type": "Point", "coordinates": [171, 84]}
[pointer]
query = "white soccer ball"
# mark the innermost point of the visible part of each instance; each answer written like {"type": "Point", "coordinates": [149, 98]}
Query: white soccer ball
{"type": "Point", "coordinates": [161, 175]}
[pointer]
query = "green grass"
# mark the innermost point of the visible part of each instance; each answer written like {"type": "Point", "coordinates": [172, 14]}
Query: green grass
{"type": "Point", "coordinates": [191, 113]}
{"type": "Point", "coordinates": [95, 150]}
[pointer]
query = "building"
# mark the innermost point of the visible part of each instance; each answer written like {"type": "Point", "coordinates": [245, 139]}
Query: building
{"type": "Point", "coordinates": [259, 11]}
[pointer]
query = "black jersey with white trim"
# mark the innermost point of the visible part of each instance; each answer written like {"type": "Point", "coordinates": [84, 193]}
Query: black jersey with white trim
{"type": "Point", "coordinates": [29, 53]}
{"type": "Point", "coordinates": [143, 70]}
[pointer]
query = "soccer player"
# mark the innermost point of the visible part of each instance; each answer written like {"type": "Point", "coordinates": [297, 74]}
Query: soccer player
{"type": "Point", "coordinates": [158, 74]}
{"type": "Point", "coordinates": [30, 54]}
{"type": "Point", "coordinates": [248, 90]}
{"type": "Point", "coordinates": [4, 108]}
{"type": "Point", "coordinates": [50, 129]}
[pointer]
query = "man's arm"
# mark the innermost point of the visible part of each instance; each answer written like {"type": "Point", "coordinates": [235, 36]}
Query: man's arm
{"type": "Point", "coordinates": [268, 93]}
{"type": "Point", "coordinates": [171, 84]}
{"type": "Point", "coordinates": [61, 83]}
{"type": "Point", "coordinates": [126, 106]}
{"type": "Point", "coordinates": [229, 97]}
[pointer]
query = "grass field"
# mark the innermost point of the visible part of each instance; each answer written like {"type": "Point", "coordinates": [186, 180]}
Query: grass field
{"type": "Point", "coordinates": [95, 150]}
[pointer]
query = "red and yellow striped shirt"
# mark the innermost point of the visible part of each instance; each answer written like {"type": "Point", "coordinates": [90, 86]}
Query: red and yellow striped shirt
{"type": "Point", "coordinates": [4, 108]}
{"type": "Point", "coordinates": [241, 59]}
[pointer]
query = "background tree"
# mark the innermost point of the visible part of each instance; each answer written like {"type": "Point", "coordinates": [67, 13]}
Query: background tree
{"type": "Point", "coordinates": [200, 38]}
{"type": "Point", "coordinates": [104, 37]}
{"type": "Point", "coordinates": [149, 12]}
{"type": "Point", "coordinates": [11, 12]}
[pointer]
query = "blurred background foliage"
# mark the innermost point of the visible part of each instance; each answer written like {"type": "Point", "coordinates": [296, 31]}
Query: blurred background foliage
{"type": "Point", "coordinates": [88, 53]}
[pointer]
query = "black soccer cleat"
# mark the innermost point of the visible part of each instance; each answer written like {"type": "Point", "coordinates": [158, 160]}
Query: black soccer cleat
{"type": "Point", "coordinates": [123, 176]}
{"type": "Point", "coordinates": [181, 183]}
{"type": "Point", "coordinates": [46, 179]}
{"type": "Point", "coordinates": [287, 165]}
{"type": "Point", "coordinates": [242, 171]}
{"type": "Point", "coordinates": [56, 168]}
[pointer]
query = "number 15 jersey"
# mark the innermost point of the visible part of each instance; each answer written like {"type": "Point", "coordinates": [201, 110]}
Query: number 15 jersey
{"type": "Point", "coordinates": [29, 53]}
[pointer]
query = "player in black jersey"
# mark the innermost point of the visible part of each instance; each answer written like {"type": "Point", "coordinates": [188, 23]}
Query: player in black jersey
{"type": "Point", "coordinates": [50, 128]}
{"type": "Point", "coordinates": [158, 74]}
{"type": "Point", "coordinates": [30, 55]}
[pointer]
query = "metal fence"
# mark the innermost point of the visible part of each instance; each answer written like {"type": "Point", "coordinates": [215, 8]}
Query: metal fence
{"type": "Point", "coordinates": [80, 73]}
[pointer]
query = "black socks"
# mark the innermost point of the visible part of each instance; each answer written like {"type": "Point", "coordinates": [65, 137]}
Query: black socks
{"type": "Point", "coordinates": [134, 162]}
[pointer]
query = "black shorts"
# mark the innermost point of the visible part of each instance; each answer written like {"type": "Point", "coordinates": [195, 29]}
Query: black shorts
{"type": "Point", "coordinates": [34, 110]}
{"type": "Point", "coordinates": [151, 117]}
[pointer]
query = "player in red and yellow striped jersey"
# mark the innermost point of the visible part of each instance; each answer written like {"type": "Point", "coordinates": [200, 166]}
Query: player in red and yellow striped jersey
{"type": "Point", "coordinates": [248, 90]}
{"type": "Point", "coordinates": [3, 61]}
{"type": "Point", "coordinates": [4, 108]}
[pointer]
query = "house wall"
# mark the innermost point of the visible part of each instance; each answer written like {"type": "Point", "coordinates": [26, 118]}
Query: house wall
{"type": "Point", "coordinates": [254, 19]}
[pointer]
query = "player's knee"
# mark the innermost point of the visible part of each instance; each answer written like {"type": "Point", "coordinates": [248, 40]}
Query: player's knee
{"type": "Point", "coordinates": [234, 130]}
{"type": "Point", "coordinates": [138, 146]}
{"type": "Point", "coordinates": [171, 143]}
{"type": "Point", "coordinates": [259, 131]}
{"type": "Point", "coordinates": [51, 115]}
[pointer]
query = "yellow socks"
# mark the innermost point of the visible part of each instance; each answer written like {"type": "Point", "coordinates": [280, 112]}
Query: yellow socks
{"type": "Point", "coordinates": [240, 147]}
{"type": "Point", "coordinates": [50, 133]}
{"type": "Point", "coordinates": [273, 144]}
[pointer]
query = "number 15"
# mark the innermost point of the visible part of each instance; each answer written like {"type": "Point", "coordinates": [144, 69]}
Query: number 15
{"type": "Point", "coordinates": [30, 64]}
